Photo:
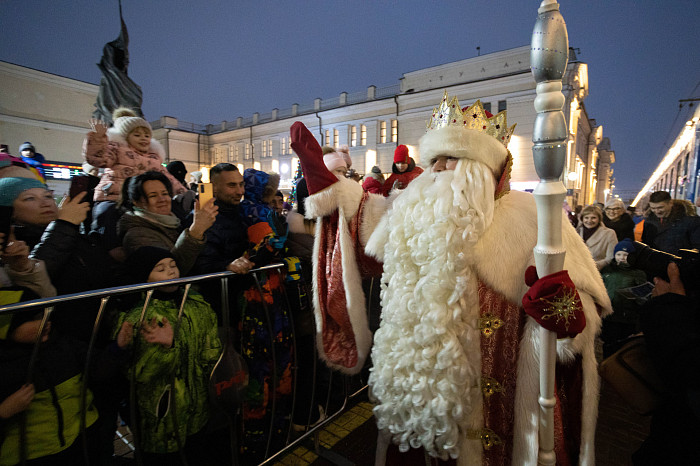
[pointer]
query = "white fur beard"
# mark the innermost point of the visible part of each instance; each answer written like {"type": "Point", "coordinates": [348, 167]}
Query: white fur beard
{"type": "Point", "coordinates": [426, 354]}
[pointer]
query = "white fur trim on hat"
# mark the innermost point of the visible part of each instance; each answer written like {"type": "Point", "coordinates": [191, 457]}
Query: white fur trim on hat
{"type": "Point", "coordinates": [462, 143]}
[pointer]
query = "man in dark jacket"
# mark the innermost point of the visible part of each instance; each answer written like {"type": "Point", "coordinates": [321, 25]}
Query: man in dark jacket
{"type": "Point", "coordinates": [668, 227]}
{"type": "Point", "coordinates": [227, 239]}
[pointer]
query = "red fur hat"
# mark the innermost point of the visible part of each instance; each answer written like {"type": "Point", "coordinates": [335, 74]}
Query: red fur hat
{"type": "Point", "coordinates": [401, 154]}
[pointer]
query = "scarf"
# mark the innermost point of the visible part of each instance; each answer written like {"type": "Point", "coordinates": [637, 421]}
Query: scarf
{"type": "Point", "coordinates": [167, 221]}
{"type": "Point", "coordinates": [588, 232]}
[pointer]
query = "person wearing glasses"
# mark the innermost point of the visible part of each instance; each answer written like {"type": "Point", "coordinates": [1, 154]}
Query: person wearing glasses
{"type": "Point", "coordinates": [617, 219]}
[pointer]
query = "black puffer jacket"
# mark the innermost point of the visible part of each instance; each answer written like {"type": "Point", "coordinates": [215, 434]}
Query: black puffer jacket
{"type": "Point", "coordinates": [74, 264]}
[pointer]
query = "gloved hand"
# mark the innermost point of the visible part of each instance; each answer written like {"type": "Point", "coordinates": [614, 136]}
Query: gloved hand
{"type": "Point", "coordinates": [554, 303]}
{"type": "Point", "coordinates": [279, 225]}
{"type": "Point", "coordinates": [310, 154]}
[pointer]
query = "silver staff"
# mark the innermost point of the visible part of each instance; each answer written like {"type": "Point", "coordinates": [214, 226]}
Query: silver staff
{"type": "Point", "coordinates": [548, 59]}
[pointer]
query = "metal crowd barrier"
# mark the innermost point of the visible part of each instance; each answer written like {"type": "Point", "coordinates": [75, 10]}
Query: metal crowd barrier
{"type": "Point", "coordinates": [291, 442]}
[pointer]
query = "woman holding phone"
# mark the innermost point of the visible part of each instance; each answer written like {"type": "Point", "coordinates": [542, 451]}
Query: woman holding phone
{"type": "Point", "coordinates": [150, 221]}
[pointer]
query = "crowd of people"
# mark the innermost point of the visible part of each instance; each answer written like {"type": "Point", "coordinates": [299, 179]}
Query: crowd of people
{"type": "Point", "coordinates": [448, 340]}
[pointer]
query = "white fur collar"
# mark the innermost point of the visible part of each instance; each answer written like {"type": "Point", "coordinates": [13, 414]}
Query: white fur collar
{"type": "Point", "coordinates": [345, 194]}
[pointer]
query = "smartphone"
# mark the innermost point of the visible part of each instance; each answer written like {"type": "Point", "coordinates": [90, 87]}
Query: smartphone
{"type": "Point", "coordinates": [206, 192]}
{"type": "Point", "coordinates": [5, 224]}
{"type": "Point", "coordinates": [79, 184]}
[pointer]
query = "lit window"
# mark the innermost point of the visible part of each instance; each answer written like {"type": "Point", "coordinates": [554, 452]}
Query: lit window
{"type": "Point", "coordinates": [237, 152]}
{"type": "Point", "coordinates": [336, 138]}
{"type": "Point", "coordinates": [382, 132]}
{"type": "Point", "coordinates": [328, 137]}
{"type": "Point", "coordinates": [283, 146]}
{"type": "Point", "coordinates": [353, 136]}
{"type": "Point", "coordinates": [247, 150]}
{"type": "Point", "coordinates": [394, 130]}
{"type": "Point", "coordinates": [231, 154]}
{"type": "Point", "coordinates": [363, 135]}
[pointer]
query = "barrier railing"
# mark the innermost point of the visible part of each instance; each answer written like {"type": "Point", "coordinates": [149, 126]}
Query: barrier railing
{"type": "Point", "coordinates": [290, 441]}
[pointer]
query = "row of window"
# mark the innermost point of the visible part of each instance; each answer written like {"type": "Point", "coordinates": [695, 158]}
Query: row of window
{"type": "Point", "coordinates": [388, 132]}
{"type": "Point", "coordinates": [333, 139]}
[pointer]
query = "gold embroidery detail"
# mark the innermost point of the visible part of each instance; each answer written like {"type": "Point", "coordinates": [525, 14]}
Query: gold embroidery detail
{"type": "Point", "coordinates": [489, 386]}
{"type": "Point", "coordinates": [488, 437]}
{"type": "Point", "coordinates": [562, 308]}
{"type": "Point", "coordinates": [488, 323]}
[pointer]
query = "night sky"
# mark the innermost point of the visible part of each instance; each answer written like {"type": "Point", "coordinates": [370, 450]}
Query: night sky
{"type": "Point", "coordinates": [211, 60]}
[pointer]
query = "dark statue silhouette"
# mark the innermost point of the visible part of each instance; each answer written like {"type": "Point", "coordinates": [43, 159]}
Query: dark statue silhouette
{"type": "Point", "coordinates": [116, 88]}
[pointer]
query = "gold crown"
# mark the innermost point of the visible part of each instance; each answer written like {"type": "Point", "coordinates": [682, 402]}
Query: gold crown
{"type": "Point", "coordinates": [474, 117]}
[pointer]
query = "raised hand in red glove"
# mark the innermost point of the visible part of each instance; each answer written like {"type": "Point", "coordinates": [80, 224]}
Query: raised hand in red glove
{"type": "Point", "coordinates": [310, 154]}
{"type": "Point", "coordinates": [554, 303]}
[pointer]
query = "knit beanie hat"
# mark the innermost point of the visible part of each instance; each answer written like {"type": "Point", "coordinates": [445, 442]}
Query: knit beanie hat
{"type": "Point", "coordinates": [401, 154]}
{"type": "Point", "coordinates": [142, 261]}
{"type": "Point", "coordinates": [344, 151]}
{"type": "Point", "coordinates": [11, 187]}
{"type": "Point", "coordinates": [26, 146]}
{"type": "Point", "coordinates": [178, 170]}
{"type": "Point", "coordinates": [126, 120]}
{"type": "Point", "coordinates": [625, 245]}
{"type": "Point", "coordinates": [333, 160]}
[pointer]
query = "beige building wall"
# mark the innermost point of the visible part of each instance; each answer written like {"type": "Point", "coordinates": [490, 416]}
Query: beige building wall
{"type": "Point", "coordinates": [50, 111]}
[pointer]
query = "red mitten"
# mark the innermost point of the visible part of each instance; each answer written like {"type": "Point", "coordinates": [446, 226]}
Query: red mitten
{"type": "Point", "coordinates": [554, 303]}
{"type": "Point", "coordinates": [310, 154]}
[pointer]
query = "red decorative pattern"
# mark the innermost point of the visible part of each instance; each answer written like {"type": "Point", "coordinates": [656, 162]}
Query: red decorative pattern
{"type": "Point", "coordinates": [338, 338]}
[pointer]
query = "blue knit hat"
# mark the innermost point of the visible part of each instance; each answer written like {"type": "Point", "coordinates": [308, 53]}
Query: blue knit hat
{"type": "Point", "coordinates": [10, 188]}
{"type": "Point", "coordinates": [625, 245]}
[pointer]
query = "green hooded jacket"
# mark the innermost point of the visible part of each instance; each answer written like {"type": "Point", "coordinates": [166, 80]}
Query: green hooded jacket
{"type": "Point", "coordinates": [177, 375]}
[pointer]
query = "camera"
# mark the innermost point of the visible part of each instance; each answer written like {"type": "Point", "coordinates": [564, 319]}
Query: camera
{"type": "Point", "coordinates": [654, 263]}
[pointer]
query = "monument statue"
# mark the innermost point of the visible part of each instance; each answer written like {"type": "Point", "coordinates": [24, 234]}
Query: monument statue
{"type": "Point", "coordinates": [116, 88]}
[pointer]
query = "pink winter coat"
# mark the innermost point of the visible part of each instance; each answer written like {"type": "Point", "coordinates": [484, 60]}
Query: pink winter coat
{"type": "Point", "coordinates": [121, 161]}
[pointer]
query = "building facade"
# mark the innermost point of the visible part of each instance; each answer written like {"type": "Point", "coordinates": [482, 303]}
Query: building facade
{"type": "Point", "coordinates": [374, 121]}
{"type": "Point", "coordinates": [679, 171]}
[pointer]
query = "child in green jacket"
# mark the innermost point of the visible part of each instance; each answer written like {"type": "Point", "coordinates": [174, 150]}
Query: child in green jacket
{"type": "Point", "coordinates": [172, 362]}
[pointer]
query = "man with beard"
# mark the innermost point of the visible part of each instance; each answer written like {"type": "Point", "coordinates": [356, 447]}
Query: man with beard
{"type": "Point", "coordinates": [455, 359]}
